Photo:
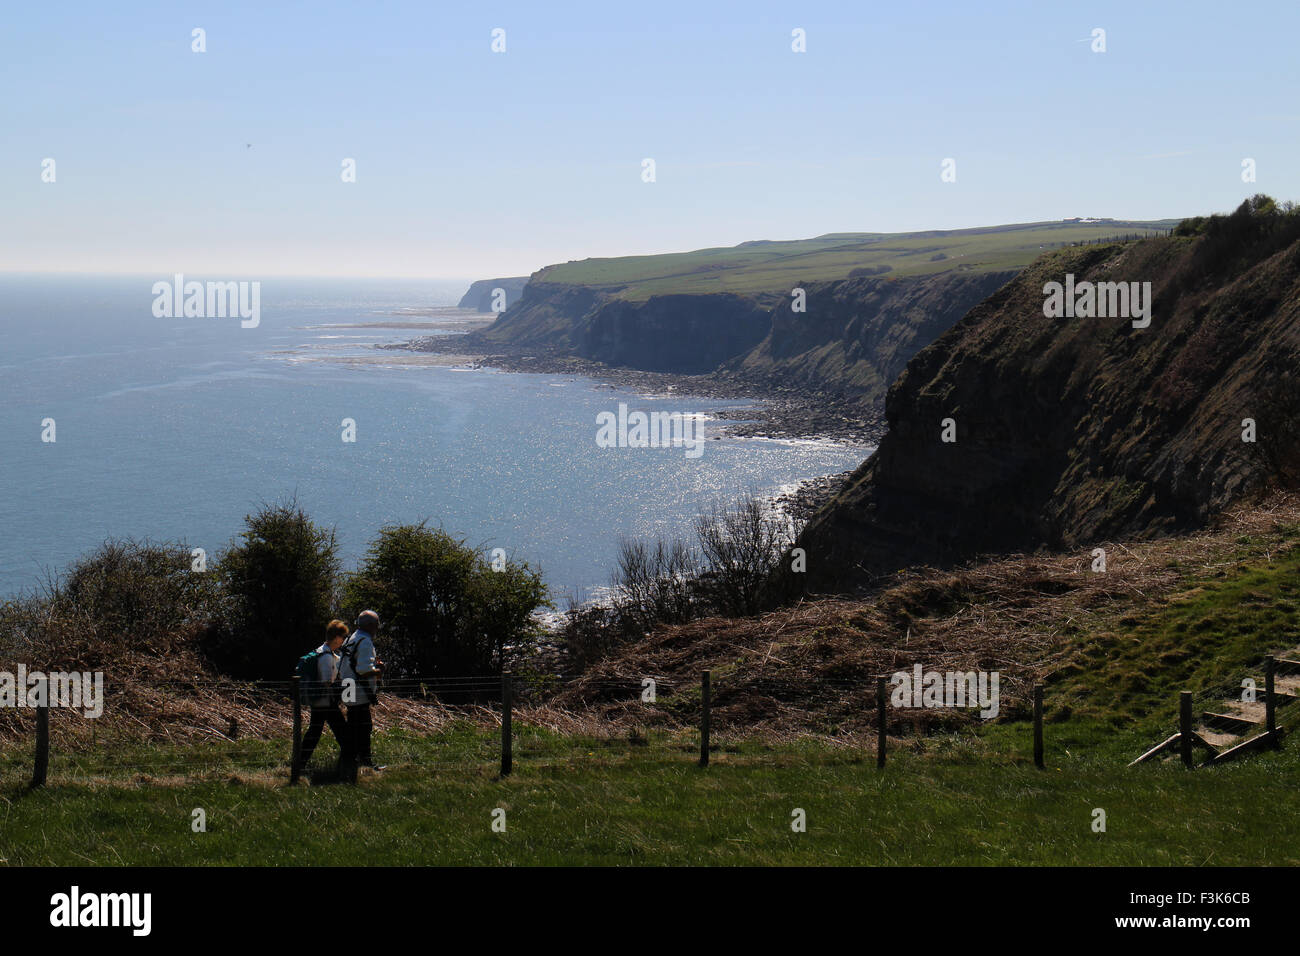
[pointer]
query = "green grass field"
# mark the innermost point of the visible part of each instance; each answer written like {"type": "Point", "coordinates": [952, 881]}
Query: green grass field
{"type": "Point", "coordinates": [767, 266]}
{"type": "Point", "coordinates": [963, 801]}
{"type": "Point", "coordinates": [1204, 639]}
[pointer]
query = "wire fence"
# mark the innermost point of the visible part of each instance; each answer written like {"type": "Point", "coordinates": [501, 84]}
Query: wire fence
{"type": "Point", "coordinates": [208, 726]}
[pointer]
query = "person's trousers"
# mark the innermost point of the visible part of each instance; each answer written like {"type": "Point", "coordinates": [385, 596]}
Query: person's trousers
{"type": "Point", "coordinates": [320, 716]}
{"type": "Point", "coordinates": [360, 724]}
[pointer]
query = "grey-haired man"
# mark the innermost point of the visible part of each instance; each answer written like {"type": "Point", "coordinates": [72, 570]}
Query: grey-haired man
{"type": "Point", "coordinates": [359, 670]}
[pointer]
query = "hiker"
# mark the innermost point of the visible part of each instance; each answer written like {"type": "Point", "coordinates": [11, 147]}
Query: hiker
{"type": "Point", "coordinates": [361, 665]}
{"type": "Point", "coordinates": [321, 688]}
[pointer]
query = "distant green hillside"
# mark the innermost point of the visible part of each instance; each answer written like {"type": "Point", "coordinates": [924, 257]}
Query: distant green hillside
{"type": "Point", "coordinates": [766, 266]}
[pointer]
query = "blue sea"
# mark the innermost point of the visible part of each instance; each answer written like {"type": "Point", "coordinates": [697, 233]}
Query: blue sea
{"type": "Point", "coordinates": [173, 429]}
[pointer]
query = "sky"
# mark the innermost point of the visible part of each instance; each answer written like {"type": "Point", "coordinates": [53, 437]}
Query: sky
{"type": "Point", "coordinates": [472, 163]}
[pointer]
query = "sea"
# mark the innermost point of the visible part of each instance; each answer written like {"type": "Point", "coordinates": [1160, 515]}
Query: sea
{"type": "Point", "coordinates": [174, 429]}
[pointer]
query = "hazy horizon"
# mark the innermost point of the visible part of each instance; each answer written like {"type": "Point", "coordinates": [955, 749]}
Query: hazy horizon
{"type": "Point", "coordinates": [154, 275]}
{"type": "Point", "coordinates": [473, 164]}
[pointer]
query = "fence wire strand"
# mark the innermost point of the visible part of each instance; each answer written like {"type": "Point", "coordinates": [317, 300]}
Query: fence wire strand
{"type": "Point", "coordinates": [479, 697]}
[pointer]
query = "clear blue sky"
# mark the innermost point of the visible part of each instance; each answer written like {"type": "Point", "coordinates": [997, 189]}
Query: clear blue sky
{"type": "Point", "coordinates": [474, 164]}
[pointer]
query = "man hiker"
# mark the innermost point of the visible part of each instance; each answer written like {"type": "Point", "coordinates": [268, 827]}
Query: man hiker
{"type": "Point", "coordinates": [361, 667]}
{"type": "Point", "coordinates": [322, 689]}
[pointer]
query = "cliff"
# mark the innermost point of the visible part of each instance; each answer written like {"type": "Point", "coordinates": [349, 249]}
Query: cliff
{"type": "Point", "coordinates": [683, 334]}
{"type": "Point", "coordinates": [872, 301]}
{"type": "Point", "coordinates": [479, 296]}
{"type": "Point", "coordinates": [855, 336]}
{"type": "Point", "coordinates": [1073, 430]}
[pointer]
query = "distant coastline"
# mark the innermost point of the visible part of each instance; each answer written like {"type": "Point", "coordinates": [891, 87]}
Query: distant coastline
{"type": "Point", "coordinates": [779, 413]}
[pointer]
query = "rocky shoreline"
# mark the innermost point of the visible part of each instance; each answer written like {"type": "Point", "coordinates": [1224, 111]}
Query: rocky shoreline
{"type": "Point", "coordinates": [807, 499]}
{"type": "Point", "coordinates": [779, 411]}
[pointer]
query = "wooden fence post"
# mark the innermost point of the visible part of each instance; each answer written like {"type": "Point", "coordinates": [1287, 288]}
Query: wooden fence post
{"type": "Point", "coordinates": [880, 721]}
{"type": "Point", "coordinates": [295, 689]}
{"type": "Point", "coordinates": [1038, 726]}
{"type": "Point", "coordinates": [704, 719]}
{"type": "Point", "coordinates": [1185, 727]}
{"type": "Point", "coordinates": [1270, 703]}
{"type": "Point", "coordinates": [507, 753]}
{"type": "Point", "coordinates": [42, 738]}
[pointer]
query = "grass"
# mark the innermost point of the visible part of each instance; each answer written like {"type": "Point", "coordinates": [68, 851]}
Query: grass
{"type": "Point", "coordinates": [756, 267]}
{"type": "Point", "coordinates": [1206, 637]}
{"type": "Point", "coordinates": [653, 805]}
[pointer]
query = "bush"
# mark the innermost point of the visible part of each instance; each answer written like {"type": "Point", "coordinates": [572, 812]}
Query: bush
{"type": "Point", "coordinates": [445, 612]}
{"type": "Point", "coordinates": [280, 581]}
{"type": "Point", "coordinates": [590, 633]}
{"type": "Point", "coordinates": [123, 596]}
{"type": "Point", "coordinates": [1253, 231]}
{"type": "Point", "coordinates": [500, 628]}
{"type": "Point", "coordinates": [742, 544]}
{"type": "Point", "coordinates": [135, 590]}
{"type": "Point", "coordinates": [655, 584]}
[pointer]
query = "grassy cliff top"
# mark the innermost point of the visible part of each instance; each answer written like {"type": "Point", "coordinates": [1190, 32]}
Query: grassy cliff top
{"type": "Point", "coordinates": [770, 266]}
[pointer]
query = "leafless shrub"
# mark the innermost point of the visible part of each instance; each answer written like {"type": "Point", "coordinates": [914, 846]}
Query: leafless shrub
{"type": "Point", "coordinates": [655, 583]}
{"type": "Point", "coordinates": [742, 544]}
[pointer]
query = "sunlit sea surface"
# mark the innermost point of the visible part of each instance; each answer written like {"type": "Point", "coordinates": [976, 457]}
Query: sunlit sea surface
{"type": "Point", "coordinates": [174, 429]}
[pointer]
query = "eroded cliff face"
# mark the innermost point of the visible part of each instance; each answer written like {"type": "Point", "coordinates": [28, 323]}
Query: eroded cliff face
{"type": "Point", "coordinates": [851, 341]}
{"type": "Point", "coordinates": [1073, 430]}
{"type": "Point", "coordinates": [855, 336]}
{"type": "Point", "coordinates": [547, 315]}
{"type": "Point", "coordinates": [682, 334]}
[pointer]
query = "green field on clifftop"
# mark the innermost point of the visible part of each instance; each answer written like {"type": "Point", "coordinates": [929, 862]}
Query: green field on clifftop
{"type": "Point", "coordinates": [653, 805]}
{"type": "Point", "coordinates": [765, 266]}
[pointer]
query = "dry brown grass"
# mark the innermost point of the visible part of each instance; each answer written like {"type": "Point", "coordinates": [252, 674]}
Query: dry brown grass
{"type": "Point", "coordinates": [807, 670]}
{"type": "Point", "coordinates": [812, 668]}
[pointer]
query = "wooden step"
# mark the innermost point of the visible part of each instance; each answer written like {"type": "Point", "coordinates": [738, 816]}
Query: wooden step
{"type": "Point", "coordinates": [1238, 726]}
{"type": "Point", "coordinates": [1230, 722]}
{"type": "Point", "coordinates": [1262, 741]}
{"type": "Point", "coordinates": [1217, 739]}
{"type": "Point", "coordinates": [1288, 684]}
{"type": "Point", "coordinates": [1254, 710]}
